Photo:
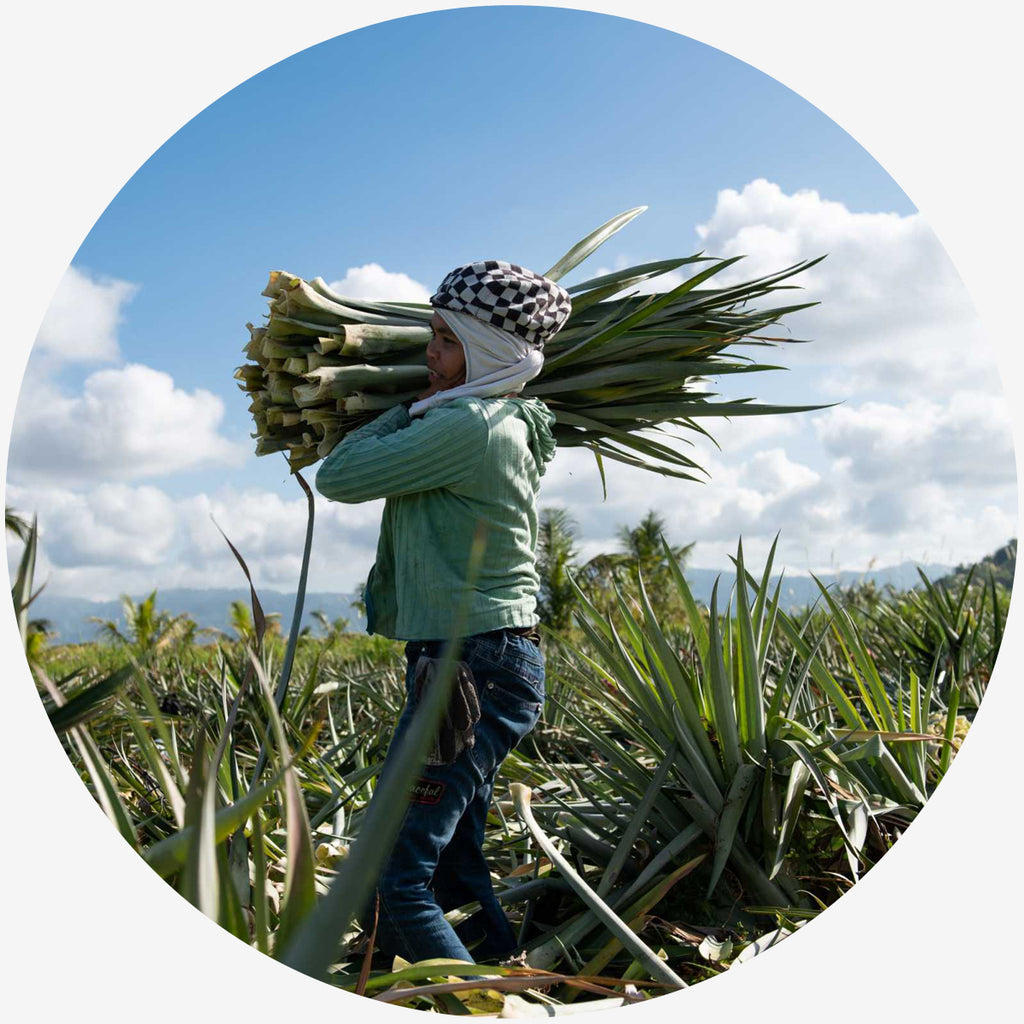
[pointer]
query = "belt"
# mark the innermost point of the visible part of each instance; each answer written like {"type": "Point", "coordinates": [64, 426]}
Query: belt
{"type": "Point", "coordinates": [530, 632]}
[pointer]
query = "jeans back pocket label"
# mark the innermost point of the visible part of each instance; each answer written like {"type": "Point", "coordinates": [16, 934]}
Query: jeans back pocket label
{"type": "Point", "coordinates": [426, 791]}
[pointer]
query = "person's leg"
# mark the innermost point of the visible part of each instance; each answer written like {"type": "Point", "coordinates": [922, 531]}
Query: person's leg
{"type": "Point", "coordinates": [509, 674]}
{"type": "Point", "coordinates": [368, 913]}
{"type": "Point", "coordinates": [463, 876]}
{"type": "Point", "coordinates": [411, 923]}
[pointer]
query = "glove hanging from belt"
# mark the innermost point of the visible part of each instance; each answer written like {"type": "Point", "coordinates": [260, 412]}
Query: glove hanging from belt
{"type": "Point", "coordinates": [461, 714]}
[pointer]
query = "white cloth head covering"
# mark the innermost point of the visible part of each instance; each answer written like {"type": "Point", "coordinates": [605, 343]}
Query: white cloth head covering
{"type": "Point", "coordinates": [497, 361]}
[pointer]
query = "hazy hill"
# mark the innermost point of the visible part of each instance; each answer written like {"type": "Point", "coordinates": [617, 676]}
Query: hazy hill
{"type": "Point", "coordinates": [69, 615]}
{"type": "Point", "coordinates": [1000, 564]}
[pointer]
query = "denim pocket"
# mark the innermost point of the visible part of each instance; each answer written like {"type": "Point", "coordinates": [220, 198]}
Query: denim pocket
{"type": "Point", "coordinates": [484, 647]}
{"type": "Point", "coordinates": [511, 702]}
{"type": "Point", "coordinates": [512, 690]}
{"type": "Point", "coordinates": [524, 656]}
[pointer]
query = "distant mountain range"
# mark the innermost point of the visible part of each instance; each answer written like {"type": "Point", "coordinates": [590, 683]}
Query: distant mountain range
{"type": "Point", "coordinates": [69, 616]}
{"type": "Point", "coordinates": [800, 591]}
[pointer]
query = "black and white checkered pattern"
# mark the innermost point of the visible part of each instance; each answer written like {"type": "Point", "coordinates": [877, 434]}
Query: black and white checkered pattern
{"type": "Point", "coordinates": [508, 297]}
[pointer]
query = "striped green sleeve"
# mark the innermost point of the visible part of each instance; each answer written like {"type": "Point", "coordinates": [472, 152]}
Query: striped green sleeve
{"type": "Point", "coordinates": [440, 449]}
{"type": "Point", "coordinates": [387, 422]}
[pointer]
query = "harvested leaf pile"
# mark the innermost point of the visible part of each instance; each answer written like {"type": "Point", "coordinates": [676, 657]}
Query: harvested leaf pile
{"type": "Point", "coordinates": [625, 362]}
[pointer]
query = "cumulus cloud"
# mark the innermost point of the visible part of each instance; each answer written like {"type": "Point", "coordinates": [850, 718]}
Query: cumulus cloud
{"type": "Point", "coordinates": [263, 525]}
{"type": "Point", "coordinates": [918, 463]}
{"type": "Point", "coordinates": [270, 531]}
{"type": "Point", "coordinates": [832, 513]}
{"type": "Point", "coordinates": [965, 442]}
{"type": "Point", "coordinates": [772, 473]}
{"type": "Point", "coordinates": [117, 538]}
{"type": "Point", "coordinates": [111, 525]}
{"type": "Point", "coordinates": [894, 314]}
{"type": "Point", "coordinates": [833, 510]}
{"type": "Point", "coordinates": [372, 281]}
{"type": "Point", "coordinates": [82, 319]}
{"type": "Point", "coordinates": [126, 424]}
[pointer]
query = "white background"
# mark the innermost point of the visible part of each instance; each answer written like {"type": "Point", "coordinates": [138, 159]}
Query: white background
{"type": "Point", "coordinates": [90, 90]}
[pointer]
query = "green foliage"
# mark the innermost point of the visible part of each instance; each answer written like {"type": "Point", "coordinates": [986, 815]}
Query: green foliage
{"type": "Point", "coordinates": [710, 775]}
{"type": "Point", "coordinates": [334, 630]}
{"type": "Point", "coordinates": [22, 594]}
{"type": "Point", "coordinates": [144, 629]}
{"type": "Point", "coordinates": [556, 556]}
{"type": "Point", "coordinates": [624, 366]}
{"type": "Point", "coordinates": [16, 524]}
{"type": "Point", "coordinates": [640, 554]}
{"type": "Point", "coordinates": [1001, 565]}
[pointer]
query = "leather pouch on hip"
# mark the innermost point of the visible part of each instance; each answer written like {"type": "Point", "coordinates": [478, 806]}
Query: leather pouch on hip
{"type": "Point", "coordinates": [461, 714]}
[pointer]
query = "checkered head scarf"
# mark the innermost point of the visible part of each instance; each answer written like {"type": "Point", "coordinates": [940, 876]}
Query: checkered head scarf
{"type": "Point", "coordinates": [502, 315]}
{"type": "Point", "coordinates": [508, 297]}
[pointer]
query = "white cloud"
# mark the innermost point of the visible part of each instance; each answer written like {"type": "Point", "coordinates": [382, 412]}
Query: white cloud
{"type": "Point", "coordinates": [966, 442]}
{"type": "Point", "coordinates": [919, 461]}
{"type": "Point", "coordinates": [372, 281]}
{"type": "Point", "coordinates": [127, 424]}
{"type": "Point", "coordinates": [118, 538]}
{"type": "Point", "coordinates": [82, 320]}
{"type": "Point", "coordinates": [851, 497]}
{"type": "Point", "coordinates": [265, 527]}
{"type": "Point", "coordinates": [917, 464]}
{"type": "Point", "coordinates": [111, 525]}
{"type": "Point", "coordinates": [833, 509]}
{"type": "Point", "coordinates": [773, 473]}
{"type": "Point", "coordinates": [893, 312]}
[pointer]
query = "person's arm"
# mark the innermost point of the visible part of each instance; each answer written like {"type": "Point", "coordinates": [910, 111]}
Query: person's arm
{"type": "Point", "coordinates": [379, 460]}
{"type": "Point", "coordinates": [388, 422]}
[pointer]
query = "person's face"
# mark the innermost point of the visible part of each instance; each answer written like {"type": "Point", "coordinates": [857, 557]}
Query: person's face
{"type": "Point", "coordinates": [446, 361]}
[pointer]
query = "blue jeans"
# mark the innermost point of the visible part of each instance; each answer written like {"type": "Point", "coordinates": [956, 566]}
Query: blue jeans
{"type": "Point", "coordinates": [437, 862]}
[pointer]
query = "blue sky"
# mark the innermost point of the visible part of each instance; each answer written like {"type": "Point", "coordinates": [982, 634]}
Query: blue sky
{"type": "Point", "coordinates": [343, 155]}
{"type": "Point", "coordinates": [510, 132]}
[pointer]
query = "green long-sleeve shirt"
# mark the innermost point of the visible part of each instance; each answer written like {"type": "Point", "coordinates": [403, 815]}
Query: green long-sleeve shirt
{"type": "Point", "coordinates": [467, 460]}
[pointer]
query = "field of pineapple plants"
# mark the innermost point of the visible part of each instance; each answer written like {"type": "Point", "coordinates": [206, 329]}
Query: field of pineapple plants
{"type": "Point", "coordinates": [704, 780]}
